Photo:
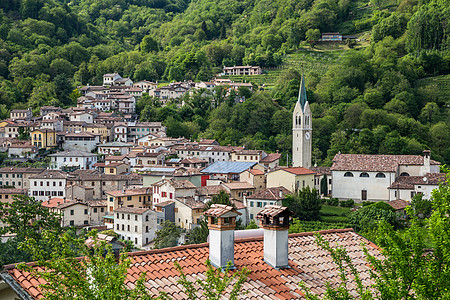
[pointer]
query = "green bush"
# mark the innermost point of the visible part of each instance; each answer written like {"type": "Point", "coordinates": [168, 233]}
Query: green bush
{"type": "Point", "coordinates": [347, 203]}
{"type": "Point", "coordinates": [367, 203]}
{"type": "Point", "coordinates": [333, 202]}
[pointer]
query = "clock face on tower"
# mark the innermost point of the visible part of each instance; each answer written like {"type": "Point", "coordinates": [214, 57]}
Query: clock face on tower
{"type": "Point", "coordinates": [307, 135]}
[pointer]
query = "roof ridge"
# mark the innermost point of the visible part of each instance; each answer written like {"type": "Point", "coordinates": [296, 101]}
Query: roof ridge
{"type": "Point", "coordinates": [241, 240]}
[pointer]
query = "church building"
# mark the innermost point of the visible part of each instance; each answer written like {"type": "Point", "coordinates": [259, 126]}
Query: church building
{"type": "Point", "coordinates": [301, 130]}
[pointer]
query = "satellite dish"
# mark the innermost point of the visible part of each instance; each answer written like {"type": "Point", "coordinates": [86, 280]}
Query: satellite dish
{"type": "Point", "coordinates": [424, 179]}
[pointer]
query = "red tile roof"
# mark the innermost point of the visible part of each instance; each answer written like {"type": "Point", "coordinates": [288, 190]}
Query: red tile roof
{"type": "Point", "coordinates": [272, 193]}
{"type": "Point", "coordinates": [408, 182]}
{"type": "Point", "coordinates": [321, 170]}
{"type": "Point", "coordinates": [296, 170]}
{"type": "Point", "coordinates": [271, 157]}
{"type": "Point", "coordinates": [308, 263]}
{"type": "Point", "coordinates": [256, 172]}
{"type": "Point", "coordinates": [399, 204]}
{"type": "Point", "coordinates": [238, 185]}
{"type": "Point", "coordinates": [375, 163]}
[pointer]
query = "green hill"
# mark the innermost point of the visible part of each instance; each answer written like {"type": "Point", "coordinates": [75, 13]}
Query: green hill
{"type": "Point", "coordinates": [388, 93]}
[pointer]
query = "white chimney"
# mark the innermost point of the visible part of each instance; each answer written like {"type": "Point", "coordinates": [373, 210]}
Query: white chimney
{"type": "Point", "coordinates": [275, 222]}
{"type": "Point", "coordinates": [221, 224]}
{"type": "Point", "coordinates": [426, 162]}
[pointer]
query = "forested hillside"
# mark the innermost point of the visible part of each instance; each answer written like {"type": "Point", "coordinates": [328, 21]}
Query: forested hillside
{"type": "Point", "coordinates": [377, 98]}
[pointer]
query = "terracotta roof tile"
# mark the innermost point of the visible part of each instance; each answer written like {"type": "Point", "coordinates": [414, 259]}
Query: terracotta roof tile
{"type": "Point", "coordinates": [273, 193]}
{"type": "Point", "coordinates": [307, 262]}
{"type": "Point", "coordinates": [375, 163]}
{"type": "Point", "coordinates": [271, 157]}
{"type": "Point", "coordinates": [408, 182]}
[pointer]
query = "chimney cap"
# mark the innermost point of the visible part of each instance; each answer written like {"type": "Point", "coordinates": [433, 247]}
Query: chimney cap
{"type": "Point", "coordinates": [271, 216]}
{"type": "Point", "coordinates": [221, 211]}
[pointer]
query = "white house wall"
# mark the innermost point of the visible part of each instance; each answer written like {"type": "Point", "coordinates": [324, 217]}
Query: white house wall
{"type": "Point", "coordinates": [351, 187]}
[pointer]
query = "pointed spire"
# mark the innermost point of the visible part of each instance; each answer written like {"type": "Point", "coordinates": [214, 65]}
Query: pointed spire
{"type": "Point", "coordinates": [302, 93]}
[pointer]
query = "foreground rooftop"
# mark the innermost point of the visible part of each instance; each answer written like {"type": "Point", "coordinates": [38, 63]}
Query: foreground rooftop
{"type": "Point", "coordinates": [307, 263]}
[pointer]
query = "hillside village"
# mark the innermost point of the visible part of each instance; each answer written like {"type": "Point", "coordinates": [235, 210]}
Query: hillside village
{"type": "Point", "coordinates": [224, 149]}
{"type": "Point", "coordinates": [105, 165]}
{"type": "Point", "coordinates": [109, 171]}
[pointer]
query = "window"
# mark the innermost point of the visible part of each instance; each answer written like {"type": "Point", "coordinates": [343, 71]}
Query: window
{"type": "Point", "coordinates": [85, 222]}
{"type": "Point", "coordinates": [95, 210]}
{"type": "Point", "coordinates": [128, 227]}
{"type": "Point", "coordinates": [135, 217]}
{"type": "Point", "coordinates": [111, 199]}
{"type": "Point", "coordinates": [72, 223]}
{"type": "Point", "coordinates": [364, 175]}
{"type": "Point", "coordinates": [135, 228]}
{"type": "Point", "coordinates": [123, 227]}
{"type": "Point", "coordinates": [146, 228]}
{"type": "Point", "coordinates": [380, 175]}
{"type": "Point", "coordinates": [117, 215]}
{"type": "Point", "coordinates": [135, 241]}
{"type": "Point", "coordinates": [413, 194]}
{"type": "Point", "coordinates": [251, 203]}
{"type": "Point", "coordinates": [123, 216]}
{"type": "Point", "coordinates": [251, 216]}
{"type": "Point", "coordinates": [128, 198]}
{"type": "Point", "coordinates": [128, 217]}
{"type": "Point", "coordinates": [404, 174]}
{"type": "Point", "coordinates": [258, 204]}
{"type": "Point", "coordinates": [348, 174]}
{"type": "Point", "coordinates": [85, 211]}
{"type": "Point", "coordinates": [71, 212]}
{"type": "Point", "coordinates": [102, 209]}
{"type": "Point", "coordinates": [117, 226]}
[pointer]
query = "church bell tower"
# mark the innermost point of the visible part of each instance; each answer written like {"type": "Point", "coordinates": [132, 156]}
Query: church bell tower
{"type": "Point", "coordinates": [301, 130]}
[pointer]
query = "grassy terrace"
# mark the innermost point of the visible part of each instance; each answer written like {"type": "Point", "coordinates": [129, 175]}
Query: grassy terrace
{"type": "Point", "coordinates": [439, 84]}
{"type": "Point", "coordinates": [333, 214]}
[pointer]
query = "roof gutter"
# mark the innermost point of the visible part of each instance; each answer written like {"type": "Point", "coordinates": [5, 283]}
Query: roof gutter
{"type": "Point", "coordinates": [15, 287]}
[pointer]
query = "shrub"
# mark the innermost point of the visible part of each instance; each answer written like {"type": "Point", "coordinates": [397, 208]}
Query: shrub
{"type": "Point", "coordinates": [333, 202]}
{"type": "Point", "coordinates": [347, 203]}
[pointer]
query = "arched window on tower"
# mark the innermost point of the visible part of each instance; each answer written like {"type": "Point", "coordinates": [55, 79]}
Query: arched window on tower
{"type": "Point", "coordinates": [299, 120]}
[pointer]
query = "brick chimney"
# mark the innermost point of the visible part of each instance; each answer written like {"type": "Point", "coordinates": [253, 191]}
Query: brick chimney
{"type": "Point", "coordinates": [275, 222]}
{"type": "Point", "coordinates": [221, 224]}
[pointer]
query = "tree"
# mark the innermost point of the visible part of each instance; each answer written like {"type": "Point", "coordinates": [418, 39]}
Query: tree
{"type": "Point", "coordinates": [252, 225]}
{"type": "Point", "coordinates": [98, 275]}
{"type": "Point", "coordinates": [199, 234]}
{"type": "Point", "coordinates": [305, 204]}
{"type": "Point", "coordinates": [27, 219]}
{"type": "Point", "coordinates": [367, 218]}
{"type": "Point", "coordinates": [324, 185]}
{"type": "Point", "coordinates": [221, 198]}
{"type": "Point", "coordinates": [149, 44]}
{"type": "Point", "coordinates": [217, 280]}
{"type": "Point", "coordinates": [168, 235]}
{"type": "Point", "coordinates": [421, 206]}
{"type": "Point", "coordinates": [313, 35]}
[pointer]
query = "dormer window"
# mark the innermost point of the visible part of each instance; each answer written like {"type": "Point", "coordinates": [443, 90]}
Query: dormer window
{"type": "Point", "coordinates": [348, 174]}
{"type": "Point", "coordinates": [380, 175]}
{"type": "Point", "coordinates": [404, 174]}
{"type": "Point", "coordinates": [364, 175]}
